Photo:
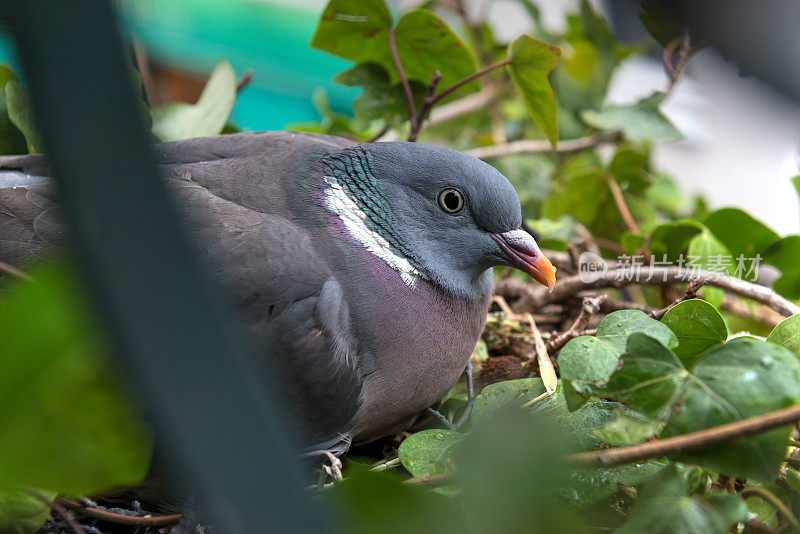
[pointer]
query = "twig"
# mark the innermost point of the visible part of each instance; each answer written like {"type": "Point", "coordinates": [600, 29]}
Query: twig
{"type": "Point", "coordinates": [416, 125]}
{"type": "Point", "coordinates": [751, 526]}
{"type": "Point", "coordinates": [464, 81]}
{"type": "Point", "coordinates": [766, 495]}
{"type": "Point", "coordinates": [622, 206]}
{"type": "Point", "coordinates": [73, 525]}
{"type": "Point", "coordinates": [543, 147]}
{"type": "Point", "coordinates": [13, 271]}
{"type": "Point", "coordinates": [531, 298]}
{"type": "Point", "coordinates": [412, 113]}
{"type": "Point", "coordinates": [147, 521]}
{"type": "Point", "coordinates": [684, 54]}
{"type": "Point", "coordinates": [244, 80]}
{"type": "Point", "coordinates": [687, 442]}
{"type": "Point", "coordinates": [378, 135]}
{"type": "Point", "coordinates": [758, 312]}
{"type": "Point", "coordinates": [589, 307]}
{"type": "Point", "coordinates": [691, 293]}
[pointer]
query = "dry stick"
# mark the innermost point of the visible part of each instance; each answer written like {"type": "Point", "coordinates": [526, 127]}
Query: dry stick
{"type": "Point", "coordinates": [244, 80]}
{"type": "Point", "coordinates": [619, 200]}
{"type": "Point", "coordinates": [148, 521]}
{"type": "Point", "coordinates": [589, 307]}
{"type": "Point", "coordinates": [687, 442]}
{"type": "Point", "coordinates": [13, 271]}
{"type": "Point", "coordinates": [533, 298]}
{"type": "Point", "coordinates": [543, 147]}
{"type": "Point", "coordinates": [691, 293]}
{"type": "Point", "coordinates": [766, 495]}
{"type": "Point", "coordinates": [73, 525]}
{"type": "Point", "coordinates": [412, 113]}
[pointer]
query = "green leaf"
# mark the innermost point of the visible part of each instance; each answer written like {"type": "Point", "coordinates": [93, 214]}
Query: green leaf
{"type": "Point", "coordinates": [427, 452]}
{"type": "Point", "coordinates": [20, 112]}
{"type": "Point", "coordinates": [659, 22]}
{"type": "Point", "coordinates": [615, 328]}
{"type": "Point", "coordinates": [590, 486]}
{"type": "Point", "coordinates": [531, 62]}
{"type": "Point", "coordinates": [698, 326]}
{"type": "Point", "coordinates": [11, 139]}
{"type": "Point", "coordinates": [67, 426]}
{"type": "Point", "coordinates": [585, 360]}
{"type": "Point", "coordinates": [627, 429]}
{"type": "Point", "coordinates": [671, 239]}
{"type": "Point", "coordinates": [581, 196]}
{"type": "Point", "coordinates": [179, 120]}
{"type": "Point", "coordinates": [379, 99]}
{"type": "Point", "coordinates": [796, 182]}
{"type": "Point", "coordinates": [742, 378]}
{"type": "Point", "coordinates": [22, 512]}
{"type": "Point", "coordinates": [626, 167]}
{"type": "Point", "coordinates": [785, 255]}
{"type": "Point", "coordinates": [740, 233]}
{"type": "Point", "coordinates": [358, 30]}
{"type": "Point", "coordinates": [708, 253]}
{"type": "Point", "coordinates": [787, 334]}
{"type": "Point", "coordinates": [664, 506]}
{"type": "Point", "coordinates": [639, 122]}
{"type": "Point", "coordinates": [512, 393]}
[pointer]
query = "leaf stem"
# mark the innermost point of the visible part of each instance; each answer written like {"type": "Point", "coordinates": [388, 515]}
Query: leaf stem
{"type": "Point", "coordinates": [622, 206]}
{"type": "Point", "coordinates": [687, 442]}
{"type": "Point", "coordinates": [412, 112]}
{"type": "Point", "coordinates": [467, 79]}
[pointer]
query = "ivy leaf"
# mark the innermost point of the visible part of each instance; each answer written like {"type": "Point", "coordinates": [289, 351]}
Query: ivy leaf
{"type": "Point", "coordinates": [658, 22]}
{"type": "Point", "coordinates": [356, 30]}
{"type": "Point", "coordinates": [11, 139]}
{"type": "Point", "coordinates": [639, 122]}
{"type": "Point", "coordinates": [67, 426]}
{"type": "Point", "coordinates": [581, 195]}
{"type": "Point", "coordinates": [742, 378]}
{"type": "Point", "coordinates": [531, 62]}
{"type": "Point", "coordinates": [179, 120]}
{"type": "Point", "coordinates": [616, 327]}
{"type": "Point", "coordinates": [785, 255]}
{"type": "Point", "coordinates": [698, 326]}
{"type": "Point", "coordinates": [671, 239]}
{"type": "Point", "coordinates": [740, 233]}
{"type": "Point", "coordinates": [585, 360]}
{"type": "Point", "coordinates": [628, 429]}
{"type": "Point", "coordinates": [512, 393]}
{"type": "Point", "coordinates": [427, 452]}
{"type": "Point", "coordinates": [20, 112]}
{"type": "Point", "coordinates": [379, 99]}
{"type": "Point", "coordinates": [787, 334]}
{"type": "Point", "coordinates": [664, 506]}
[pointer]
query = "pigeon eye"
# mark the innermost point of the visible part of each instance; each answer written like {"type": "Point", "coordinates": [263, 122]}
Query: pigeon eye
{"type": "Point", "coordinates": [451, 200]}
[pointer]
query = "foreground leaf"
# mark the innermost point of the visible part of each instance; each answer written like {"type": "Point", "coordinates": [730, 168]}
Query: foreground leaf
{"type": "Point", "coordinates": [531, 62]}
{"type": "Point", "coordinates": [23, 512]}
{"type": "Point", "coordinates": [11, 139]}
{"type": "Point", "coordinates": [616, 327]}
{"type": "Point", "coordinates": [20, 111]}
{"type": "Point", "coordinates": [639, 122]}
{"type": "Point", "coordinates": [67, 426]}
{"type": "Point", "coordinates": [698, 326]}
{"type": "Point", "coordinates": [179, 120]}
{"type": "Point", "coordinates": [429, 452]}
{"type": "Point", "coordinates": [664, 506]}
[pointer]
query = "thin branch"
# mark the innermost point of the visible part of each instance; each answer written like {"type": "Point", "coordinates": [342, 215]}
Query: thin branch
{"type": "Point", "coordinates": [244, 80]}
{"type": "Point", "coordinates": [754, 312]}
{"type": "Point", "coordinates": [691, 293]}
{"type": "Point", "coordinates": [146, 521]}
{"type": "Point", "coordinates": [532, 298]}
{"type": "Point", "coordinates": [589, 307]}
{"type": "Point", "coordinates": [751, 526]}
{"type": "Point", "coordinates": [416, 125]}
{"type": "Point", "coordinates": [412, 112]}
{"type": "Point", "coordinates": [13, 271]}
{"type": "Point", "coordinates": [687, 442]}
{"type": "Point", "coordinates": [73, 525]}
{"type": "Point", "coordinates": [622, 206]}
{"type": "Point", "coordinates": [378, 135]}
{"type": "Point", "coordinates": [543, 147]}
{"type": "Point", "coordinates": [464, 81]}
{"type": "Point", "coordinates": [766, 495]}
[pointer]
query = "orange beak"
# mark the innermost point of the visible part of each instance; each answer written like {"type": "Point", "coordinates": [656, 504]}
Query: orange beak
{"type": "Point", "coordinates": [523, 253]}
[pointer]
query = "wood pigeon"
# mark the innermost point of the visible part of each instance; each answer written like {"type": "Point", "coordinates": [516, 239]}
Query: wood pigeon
{"type": "Point", "coordinates": [361, 271]}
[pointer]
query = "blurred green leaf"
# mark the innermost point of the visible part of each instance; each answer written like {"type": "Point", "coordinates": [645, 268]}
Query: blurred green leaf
{"type": "Point", "coordinates": [11, 139]}
{"type": "Point", "coordinates": [665, 507]}
{"type": "Point", "coordinates": [709, 253]}
{"type": "Point", "coordinates": [379, 98]}
{"type": "Point", "coordinates": [785, 255]}
{"type": "Point", "coordinates": [429, 452]}
{"type": "Point", "coordinates": [20, 112]}
{"type": "Point", "coordinates": [67, 425]}
{"type": "Point", "coordinates": [531, 62]}
{"type": "Point", "coordinates": [639, 122]}
{"type": "Point", "coordinates": [658, 22]}
{"type": "Point", "coordinates": [580, 196]}
{"type": "Point", "coordinates": [787, 334]}
{"type": "Point", "coordinates": [628, 429]}
{"type": "Point", "coordinates": [616, 327]}
{"type": "Point", "coordinates": [553, 234]}
{"type": "Point", "coordinates": [796, 182]}
{"type": "Point", "coordinates": [672, 238]}
{"type": "Point", "coordinates": [665, 194]}
{"type": "Point", "coordinates": [510, 393]}
{"type": "Point", "coordinates": [698, 327]}
{"type": "Point", "coordinates": [179, 120]}
{"type": "Point", "coordinates": [24, 511]}
{"type": "Point", "coordinates": [741, 234]}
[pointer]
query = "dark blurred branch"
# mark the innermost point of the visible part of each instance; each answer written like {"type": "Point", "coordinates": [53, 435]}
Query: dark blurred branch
{"type": "Point", "coordinates": [412, 112]}
{"type": "Point", "coordinates": [146, 521]}
{"type": "Point", "coordinates": [13, 271]}
{"type": "Point", "coordinates": [427, 103]}
{"type": "Point", "coordinates": [244, 81]}
{"type": "Point", "coordinates": [687, 442]}
{"type": "Point", "coordinates": [544, 147]}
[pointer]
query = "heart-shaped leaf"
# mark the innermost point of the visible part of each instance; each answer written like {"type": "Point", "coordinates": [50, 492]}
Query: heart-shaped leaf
{"type": "Point", "coordinates": [429, 452]}
{"type": "Point", "coordinates": [787, 334]}
{"type": "Point", "coordinates": [698, 326]}
{"type": "Point", "coordinates": [639, 122]}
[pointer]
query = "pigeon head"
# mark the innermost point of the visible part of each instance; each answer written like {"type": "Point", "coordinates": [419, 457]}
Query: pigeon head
{"type": "Point", "coordinates": [433, 213]}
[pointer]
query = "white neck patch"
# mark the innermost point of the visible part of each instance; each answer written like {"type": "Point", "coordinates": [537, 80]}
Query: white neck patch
{"type": "Point", "coordinates": [339, 202]}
